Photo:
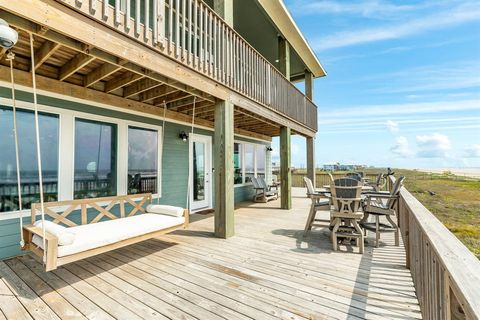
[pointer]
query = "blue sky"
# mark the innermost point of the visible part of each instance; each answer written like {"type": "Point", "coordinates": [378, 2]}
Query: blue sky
{"type": "Point", "coordinates": [403, 83]}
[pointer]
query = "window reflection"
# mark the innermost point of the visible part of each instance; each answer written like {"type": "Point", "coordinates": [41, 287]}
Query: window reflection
{"type": "Point", "coordinates": [142, 160]}
{"type": "Point", "coordinates": [237, 163]}
{"type": "Point", "coordinates": [260, 159]}
{"type": "Point", "coordinates": [49, 137]}
{"type": "Point", "coordinates": [95, 159]}
{"type": "Point", "coordinates": [249, 162]}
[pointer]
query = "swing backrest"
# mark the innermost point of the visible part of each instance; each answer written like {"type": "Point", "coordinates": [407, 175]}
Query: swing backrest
{"type": "Point", "coordinates": [92, 210]}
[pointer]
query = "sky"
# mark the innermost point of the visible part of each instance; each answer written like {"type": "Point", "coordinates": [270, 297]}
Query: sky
{"type": "Point", "coordinates": [403, 83]}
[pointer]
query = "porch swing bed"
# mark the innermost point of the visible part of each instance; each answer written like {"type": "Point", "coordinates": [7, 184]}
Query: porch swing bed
{"type": "Point", "coordinates": [99, 229]}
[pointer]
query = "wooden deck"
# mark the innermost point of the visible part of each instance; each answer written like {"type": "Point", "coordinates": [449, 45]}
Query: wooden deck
{"type": "Point", "coordinates": [268, 270]}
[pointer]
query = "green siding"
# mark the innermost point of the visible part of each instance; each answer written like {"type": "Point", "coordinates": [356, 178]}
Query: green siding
{"type": "Point", "coordinates": [174, 166]}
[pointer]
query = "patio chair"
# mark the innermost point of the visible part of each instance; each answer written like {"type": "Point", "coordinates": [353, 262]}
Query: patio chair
{"type": "Point", "coordinates": [382, 204]}
{"type": "Point", "coordinates": [346, 211]}
{"type": "Point", "coordinates": [261, 193]}
{"type": "Point", "coordinates": [379, 183]}
{"type": "Point", "coordinates": [317, 205]}
{"type": "Point", "coordinates": [273, 188]}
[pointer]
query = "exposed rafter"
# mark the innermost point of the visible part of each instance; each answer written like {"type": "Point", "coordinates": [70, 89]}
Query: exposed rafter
{"type": "Point", "coordinates": [156, 92]}
{"type": "Point", "coordinates": [75, 64]}
{"type": "Point", "coordinates": [46, 50]}
{"type": "Point", "coordinates": [100, 73]}
{"type": "Point", "coordinates": [139, 87]}
{"type": "Point", "coordinates": [123, 81]}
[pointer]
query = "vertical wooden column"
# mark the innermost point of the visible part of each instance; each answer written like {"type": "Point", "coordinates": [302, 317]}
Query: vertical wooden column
{"type": "Point", "coordinates": [224, 8]}
{"type": "Point", "coordinates": [311, 174]}
{"type": "Point", "coordinates": [309, 84]}
{"type": "Point", "coordinates": [284, 57]}
{"type": "Point", "coordinates": [223, 161]}
{"type": "Point", "coordinates": [285, 173]}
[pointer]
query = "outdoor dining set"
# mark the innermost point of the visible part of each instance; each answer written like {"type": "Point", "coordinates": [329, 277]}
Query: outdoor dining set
{"type": "Point", "coordinates": [356, 206]}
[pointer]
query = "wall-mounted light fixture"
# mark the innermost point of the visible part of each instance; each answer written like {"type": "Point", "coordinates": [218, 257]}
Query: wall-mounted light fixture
{"type": "Point", "coordinates": [183, 135]}
{"type": "Point", "coordinates": [269, 148]}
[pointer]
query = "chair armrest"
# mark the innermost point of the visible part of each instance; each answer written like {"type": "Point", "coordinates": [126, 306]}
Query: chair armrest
{"type": "Point", "coordinates": [380, 196]}
{"type": "Point", "coordinates": [39, 232]}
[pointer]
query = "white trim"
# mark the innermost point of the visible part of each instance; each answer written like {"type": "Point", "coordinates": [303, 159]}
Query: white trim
{"type": "Point", "coordinates": [208, 169]}
{"type": "Point", "coordinates": [103, 106]}
{"type": "Point", "coordinates": [158, 129]}
{"type": "Point", "coordinates": [66, 166]}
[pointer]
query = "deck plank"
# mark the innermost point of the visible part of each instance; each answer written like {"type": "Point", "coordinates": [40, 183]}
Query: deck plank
{"type": "Point", "coordinates": [51, 297]}
{"type": "Point", "coordinates": [268, 270]}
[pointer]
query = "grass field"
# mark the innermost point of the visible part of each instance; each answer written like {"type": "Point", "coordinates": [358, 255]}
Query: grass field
{"type": "Point", "coordinates": [456, 202]}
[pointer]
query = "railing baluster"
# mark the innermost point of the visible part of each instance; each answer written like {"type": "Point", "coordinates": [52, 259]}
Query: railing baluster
{"type": "Point", "coordinates": [200, 31]}
{"type": "Point", "coordinates": [127, 16]}
{"type": "Point", "coordinates": [183, 12]}
{"type": "Point", "coordinates": [137, 18]}
{"type": "Point", "coordinates": [210, 42]}
{"type": "Point", "coordinates": [93, 6]}
{"type": "Point", "coordinates": [177, 28]}
{"type": "Point", "coordinates": [156, 19]}
{"type": "Point", "coordinates": [146, 24]}
{"type": "Point", "coordinates": [161, 22]}
{"type": "Point", "coordinates": [105, 10]}
{"type": "Point", "coordinates": [170, 26]}
{"type": "Point", "coordinates": [205, 42]}
{"type": "Point", "coordinates": [117, 12]}
{"type": "Point", "coordinates": [215, 48]}
{"type": "Point", "coordinates": [190, 32]}
{"type": "Point", "coordinates": [195, 36]}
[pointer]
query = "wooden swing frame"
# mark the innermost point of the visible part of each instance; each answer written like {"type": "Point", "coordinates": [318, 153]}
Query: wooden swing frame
{"type": "Point", "coordinates": [53, 261]}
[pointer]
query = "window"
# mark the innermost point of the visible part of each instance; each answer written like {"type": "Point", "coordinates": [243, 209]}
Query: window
{"type": "Point", "coordinates": [49, 142]}
{"type": "Point", "coordinates": [237, 163]}
{"type": "Point", "coordinates": [95, 159]}
{"type": "Point", "coordinates": [249, 162]}
{"type": "Point", "coordinates": [142, 160]}
{"type": "Point", "coordinates": [260, 160]}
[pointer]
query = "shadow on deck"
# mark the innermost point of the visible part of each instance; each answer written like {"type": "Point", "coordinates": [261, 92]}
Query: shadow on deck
{"type": "Point", "coordinates": [267, 271]}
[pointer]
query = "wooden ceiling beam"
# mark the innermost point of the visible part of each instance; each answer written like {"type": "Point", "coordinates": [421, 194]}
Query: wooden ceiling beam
{"type": "Point", "coordinates": [75, 64]}
{"type": "Point", "coordinates": [140, 86]}
{"type": "Point", "coordinates": [44, 52]}
{"type": "Point", "coordinates": [157, 92]}
{"type": "Point", "coordinates": [121, 82]}
{"type": "Point", "coordinates": [100, 73]}
{"type": "Point", "coordinates": [176, 96]}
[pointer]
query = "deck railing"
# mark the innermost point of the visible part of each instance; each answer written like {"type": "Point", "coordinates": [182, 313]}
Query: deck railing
{"type": "Point", "coordinates": [194, 35]}
{"type": "Point", "coordinates": [445, 273]}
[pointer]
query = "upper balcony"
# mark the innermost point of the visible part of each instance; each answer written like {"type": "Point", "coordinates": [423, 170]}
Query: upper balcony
{"type": "Point", "coordinates": [190, 33]}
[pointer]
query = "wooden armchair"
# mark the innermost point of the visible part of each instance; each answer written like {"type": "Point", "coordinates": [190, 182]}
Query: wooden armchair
{"type": "Point", "coordinates": [382, 204]}
{"type": "Point", "coordinates": [319, 203]}
{"type": "Point", "coordinates": [346, 211]}
{"type": "Point", "coordinates": [261, 193]}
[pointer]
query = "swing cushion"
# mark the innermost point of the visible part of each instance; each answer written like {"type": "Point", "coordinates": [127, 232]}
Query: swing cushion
{"type": "Point", "coordinates": [64, 236]}
{"type": "Point", "coordinates": [95, 235]}
{"type": "Point", "coordinates": [167, 210]}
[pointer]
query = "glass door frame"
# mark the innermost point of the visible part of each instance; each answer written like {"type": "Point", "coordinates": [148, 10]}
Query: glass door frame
{"type": "Point", "coordinates": [207, 202]}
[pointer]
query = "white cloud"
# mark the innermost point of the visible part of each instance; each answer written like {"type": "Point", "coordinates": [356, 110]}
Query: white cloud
{"type": "Point", "coordinates": [401, 147]}
{"type": "Point", "coordinates": [433, 146]}
{"type": "Point", "coordinates": [472, 151]}
{"type": "Point", "coordinates": [462, 14]}
{"type": "Point", "coordinates": [392, 126]}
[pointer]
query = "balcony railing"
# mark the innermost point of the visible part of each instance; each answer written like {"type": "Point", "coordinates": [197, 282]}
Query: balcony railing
{"type": "Point", "coordinates": [195, 36]}
{"type": "Point", "coordinates": [445, 273]}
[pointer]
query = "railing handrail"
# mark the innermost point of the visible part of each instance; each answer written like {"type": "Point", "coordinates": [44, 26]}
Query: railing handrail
{"type": "Point", "coordinates": [460, 264]}
{"type": "Point", "coordinates": [202, 40]}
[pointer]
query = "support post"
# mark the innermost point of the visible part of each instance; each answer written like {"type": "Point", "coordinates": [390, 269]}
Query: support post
{"type": "Point", "coordinates": [285, 173]}
{"type": "Point", "coordinates": [284, 57]}
{"type": "Point", "coordinates": [223, 160]}
{"type": "Point", "coordinates": [224, 8]}
{"type": "Point", "coordinates": [311, 174]}
{"type": "Point", "coordinates": [309, 85]}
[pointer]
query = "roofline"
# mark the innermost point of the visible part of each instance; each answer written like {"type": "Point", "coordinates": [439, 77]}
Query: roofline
{"type": "Point", "coordinates": [281, 17]}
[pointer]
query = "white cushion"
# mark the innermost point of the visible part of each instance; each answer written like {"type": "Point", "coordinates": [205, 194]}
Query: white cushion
{"type": "Point", "coordinates": [100, 234]}
{"type": "Point", "coordinates": [65, 237]}
{"type": "Point", "coordinates": [163, 209]}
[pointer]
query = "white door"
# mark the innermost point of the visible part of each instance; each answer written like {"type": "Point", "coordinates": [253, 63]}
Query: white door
{"type": "Point", "coordinates": [200, 172]}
